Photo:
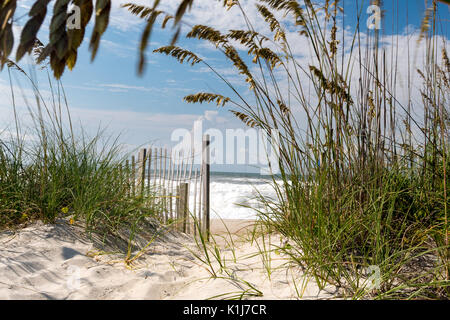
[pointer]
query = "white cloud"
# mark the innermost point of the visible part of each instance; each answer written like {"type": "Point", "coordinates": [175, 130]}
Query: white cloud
{"type": "Point", "coordinates": [121, 87]}
{"type": "Point", "coordinates": [136, 128]}
{"type": "Point", "coordinates": [211, 12]}
{"type": "Point", "coordinates": [120, 49]}
{"type": "Point", "coordinates": [125, 87]}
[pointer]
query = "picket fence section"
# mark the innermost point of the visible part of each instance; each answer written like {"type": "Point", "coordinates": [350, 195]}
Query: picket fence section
{"type": "Point", "coordinates": [180, 193]}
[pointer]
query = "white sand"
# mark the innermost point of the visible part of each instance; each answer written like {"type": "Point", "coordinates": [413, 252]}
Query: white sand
{"type": "Point", "coordinates": [59, 262]}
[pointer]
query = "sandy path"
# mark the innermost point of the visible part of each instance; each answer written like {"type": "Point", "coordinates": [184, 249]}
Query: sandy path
{"type": "Point", "coordinates": [60, 262]}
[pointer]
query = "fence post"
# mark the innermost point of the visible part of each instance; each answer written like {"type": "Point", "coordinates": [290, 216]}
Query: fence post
{"type": "Point", "coordinates": [141, 170]}
{"type": "Point", "coordinates": [205, 170]}
{"type": "Point", "coordinates": [184, 204]}
{"type": "Point", "coordinates": [149, 170]}
{"type": "Point", "coordinates": [166, 204]}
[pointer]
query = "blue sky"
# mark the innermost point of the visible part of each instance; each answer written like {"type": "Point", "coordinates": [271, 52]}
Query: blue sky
{"type": "Point", "coordinates": [148, 108]}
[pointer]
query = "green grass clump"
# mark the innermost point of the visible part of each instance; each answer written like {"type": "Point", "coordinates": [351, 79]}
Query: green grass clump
{"type": "Point", "coordinates": [58, 173]}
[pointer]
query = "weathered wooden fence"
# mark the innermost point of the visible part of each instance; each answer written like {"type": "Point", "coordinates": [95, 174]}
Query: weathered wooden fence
{"type": "Point", "coordinates": [178, 191]}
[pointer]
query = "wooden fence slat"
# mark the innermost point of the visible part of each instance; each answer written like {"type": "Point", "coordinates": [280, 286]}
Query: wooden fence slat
{"type": "Point", "coordinates": [194, 211]}
{"type": "Point", "coordinates": [165, 185]}
{"type": "Point", "coordinates": [165, 167]}
{"type": "Point", "coordinates": [178, 172]}
{"type": "Point", "coordinates": [192, 164]}
{"type": "Point", "coordinates": [141, 170]}
{"type": "Point", "coordinates": [185, 168]}
{"type": "Point", "coordinates": [121, 176]}
{"type": "Point", "coordinates": [149, 173]}
{"type": "Point", "coordinates": [164, 212]}
{"type": "Point", "coordinates": [206, 167]}
{"type": "Point", "coordinates": [127, 177]}
{"type": "Point", "coordinates": [155, 169]}
{"type": "Point", "coordinates": [160, 167]}
{"type": "Point", "coordinates": [177, 208]}
{"type": "Point", "coordinates": [172, 168]}
{"type": "Point", "coordinates": [133, 176]}
{"type": "Point", "coordinates": [200, 207]}
{"type": "Point", "coordinates": [184, 208]}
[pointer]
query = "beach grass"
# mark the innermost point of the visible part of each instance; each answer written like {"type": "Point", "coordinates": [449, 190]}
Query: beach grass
{"type": "Point", "coordinates": [49, 170]}
{"type": "Point", "coordinates": [362, 192]}
{"type": "Point", "coordinates": [363, 198]}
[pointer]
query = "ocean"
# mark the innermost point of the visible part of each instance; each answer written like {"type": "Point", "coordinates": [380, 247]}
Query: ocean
{"type": "Point", "coordinates": [232, 193]}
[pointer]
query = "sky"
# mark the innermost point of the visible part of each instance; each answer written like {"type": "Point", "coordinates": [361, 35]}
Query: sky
{"type": "Point", "coordinates": [149, 108]}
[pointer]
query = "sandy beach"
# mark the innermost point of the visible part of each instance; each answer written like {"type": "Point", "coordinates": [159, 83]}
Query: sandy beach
{"type": "Point", "coordinates": [59, 261]}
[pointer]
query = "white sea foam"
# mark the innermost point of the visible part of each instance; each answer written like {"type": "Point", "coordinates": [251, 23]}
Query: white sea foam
{"type": "Point", "coordinates": [232, 200]}
{"type": "Point", "coordinates": [233, 195]}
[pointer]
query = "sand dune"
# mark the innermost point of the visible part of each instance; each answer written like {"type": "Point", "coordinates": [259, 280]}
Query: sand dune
{"type": "Point", "coordinates": [60, 261]}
